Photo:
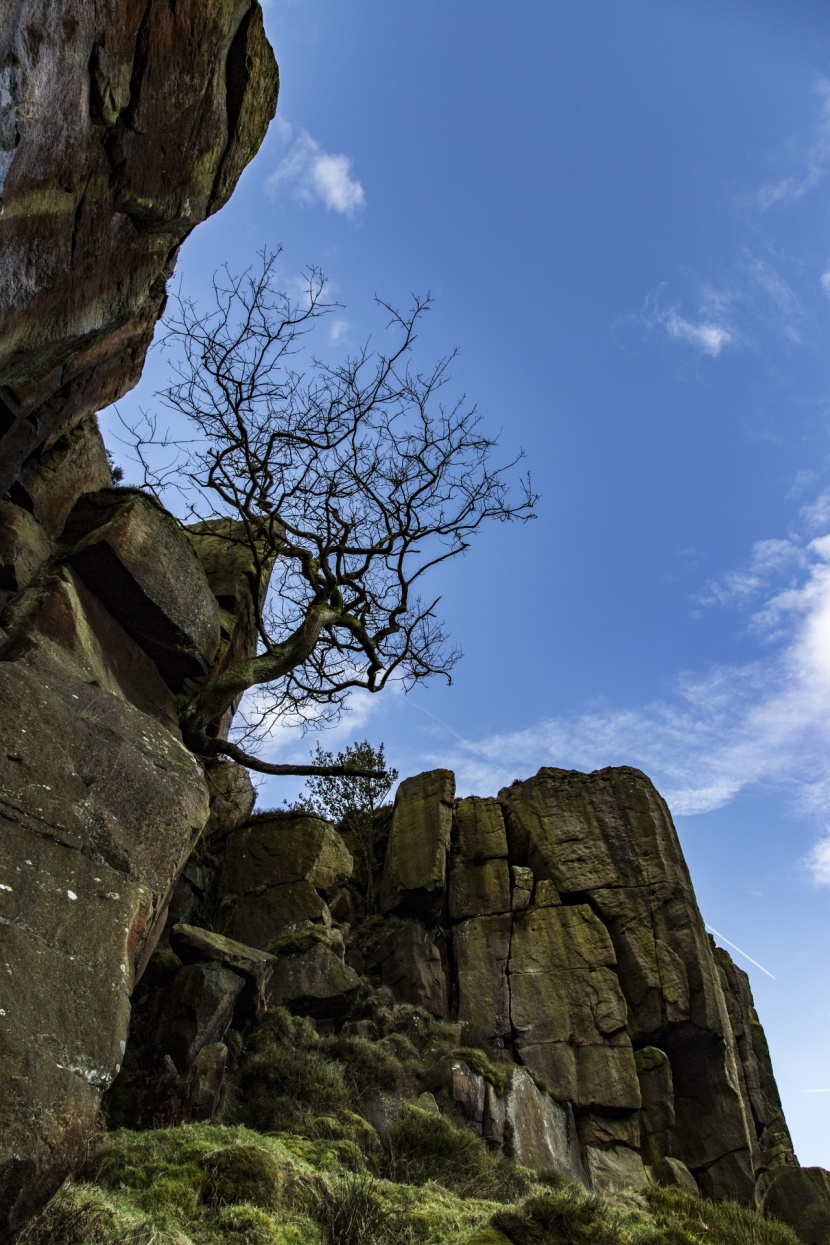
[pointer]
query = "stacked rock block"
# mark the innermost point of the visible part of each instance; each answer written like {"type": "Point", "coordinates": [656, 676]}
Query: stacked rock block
{"type": "Point", "coordinates": [101, 804]}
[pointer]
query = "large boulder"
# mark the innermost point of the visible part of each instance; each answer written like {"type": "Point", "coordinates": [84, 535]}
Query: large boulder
{"type": "Point", "coordinates": [136, 559]}
{"type": "Point", "coordinates": [567, 1010]}
{"type": "Point", "coordinates": [100, 806]}
{"type": "Point", "coordinates": [276, 873]}
{"type": "Point", "coordinates": [800, 1197]}
{"type": "Point", "coordinates": [114, 144]}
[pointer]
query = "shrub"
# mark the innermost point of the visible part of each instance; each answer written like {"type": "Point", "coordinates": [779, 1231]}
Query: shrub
{"type": "Point", "coordinates": [424, 1146]}
{"type": "Point", "coordinates": [279, 1086]}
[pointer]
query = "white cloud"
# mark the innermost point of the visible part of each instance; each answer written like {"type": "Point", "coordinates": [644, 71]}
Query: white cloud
{"type": "Point", "coordinates": [314, 176]}
{"type": "Point", "coordinates": [825, 281]}
{"type": "Point", "coordinates": [818, 862]}
{"type": "Point", "coordinates": [713, 735]}
{"type": "Point", "coordinates": [708, 337]}
{"type": "Point", "coordinates": [816, 162]}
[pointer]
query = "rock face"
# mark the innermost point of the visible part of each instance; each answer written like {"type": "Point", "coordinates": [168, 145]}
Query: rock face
{"type": "Point", "coordinates": [574, 949]}
{"type": "Point", "coordinates": [123, 124]}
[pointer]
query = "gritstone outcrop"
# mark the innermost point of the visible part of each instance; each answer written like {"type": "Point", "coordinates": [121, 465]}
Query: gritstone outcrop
{"type": "Point", "coordinates": [123, 124]}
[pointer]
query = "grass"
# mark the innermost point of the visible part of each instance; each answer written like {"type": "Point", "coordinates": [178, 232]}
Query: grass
{"type": "Point", "coordinates": [199, 1184]}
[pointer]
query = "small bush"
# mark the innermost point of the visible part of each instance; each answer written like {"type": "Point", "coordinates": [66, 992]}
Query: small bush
{"type": "Point", "coordinates": [242, 1173]}
{"type": "Point", "coordinates": [368, 1066]}
{"type": "Point", "coordinates": [247, 1225]}
{"type": "Point", "coordinates": [564, 1217]}
{"type": "Point", "coordinates": [279, 1086]}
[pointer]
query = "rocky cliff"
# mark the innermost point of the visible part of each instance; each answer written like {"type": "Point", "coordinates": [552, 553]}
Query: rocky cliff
{"type": "Point", "coordinates": [595, 1028]}
{"type": "Point", "coordinates": [123, 123]}
{"type": "Point", "coordinates": [532, 999]}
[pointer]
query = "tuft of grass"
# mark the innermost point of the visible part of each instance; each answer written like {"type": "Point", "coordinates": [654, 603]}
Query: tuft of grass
{"type": "Point", "coordinates": [71, 1218]}
{"type": "Point", "coordinates": [500, 1075]}
{"type": "Point", "coordinates": [279, 1086]}
{"type": "Point", "coordinates": [242, 1173]}
{"type": "Point", "coordinates": [564, 1216]}
{"type": "Point", "coordinates": [352, 1211]}
{"type": "Point", "coordinates": [720, 1223]}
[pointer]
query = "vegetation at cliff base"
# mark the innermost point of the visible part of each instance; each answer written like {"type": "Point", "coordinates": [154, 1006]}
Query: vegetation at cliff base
{"type": "Point", "coordinates": [202, 1184]}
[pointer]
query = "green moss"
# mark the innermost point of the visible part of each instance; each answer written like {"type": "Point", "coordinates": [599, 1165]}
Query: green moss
{"type": "Point", "coordinates": [488, 1236]}
{"type": "Point", "coordinates": [499, 1075]}
{"type": "Point", "coordinates": [297, 943]}
{"type": "Point", "coordinates": [279, 1086]}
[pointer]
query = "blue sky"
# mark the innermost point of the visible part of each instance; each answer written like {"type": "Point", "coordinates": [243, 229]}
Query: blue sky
{"type": "Point", "coordinates": [622, 213]}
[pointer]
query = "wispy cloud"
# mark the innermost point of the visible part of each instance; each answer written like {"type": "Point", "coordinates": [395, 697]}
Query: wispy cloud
{"type": "Point", "coordinates": [816, 161]}
{"type": "Point", "coordinates": [719, 732]}
{"type": "Point", "coordinates": [314, 176]}
{"type": "Point", "coordinates": [708, 337]}
{"type": "Point", "coordinates": [708, 331]}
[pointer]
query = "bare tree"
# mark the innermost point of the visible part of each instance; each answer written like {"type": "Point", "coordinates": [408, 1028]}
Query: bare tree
{"type": "Point", "coordinates": [352, 482]}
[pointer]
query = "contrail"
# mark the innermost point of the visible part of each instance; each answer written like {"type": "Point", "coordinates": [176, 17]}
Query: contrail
{"type": "Point", "coordinates": [712, 930]}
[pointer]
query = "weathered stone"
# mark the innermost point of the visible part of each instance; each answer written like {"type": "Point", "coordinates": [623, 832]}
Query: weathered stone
{"type": "Point", "coordinates": [416, 858]}
{"type": "Point", "coordinates": [605, 1130]}
{"type": "Point", "coordinates": [481, 947]}
{"type": "Point", "coordinates": [24, 547]}
{"type": "Point", "coordinates": [313, 982]}
{"type": "Point", "coordinates": [522, 887]}
{"type": "Point", "coordinates": [657, 1090]}
{"type": "Point", "coordinates": [134, 556]}
{"type": "Point", "coordinates": [478, 831]}
{"type": "Point", "coordinates": [563, 991]}
{"type": "Point", "coordinates": [193, 945]}
{"type": "Point", "coordinates": [540, 1133]}
{"type": "Point", "coordinates": [800, 1197]}
{"type": "Point", "coordinates": [673, 1174]}
{"type": "Point", "coordinates": [478, 889]}
{"type": "Point", "coordinates": [547, 896]}
{"type": "Point", "coordinates": [198, 1010]}
{"type": "Point", "coordinates": [60, 609]}
{"type": "Point", "coordinates": [106, 806]}
{"type": "Point", "coordinates": [758, 1086]}
{"type": "Point", "coordinates": [615, 1168]}
{"type": "Point", "coordinates": [407, 958]}
{"type": "Point", "coordinates": [116, 150]}
{"type": "Point", "coordinates": [232, 798]}
{"type": "Point", "coordinates": [609, 836]}
{"type": "Point", "coordinates": [261, 917]}
{"type": "Point", "coordinates": [204, 1084]}
{"type": "Point", "coordinates": [53, 482]}
{"type": "Point", "coordinates": [275, 850]}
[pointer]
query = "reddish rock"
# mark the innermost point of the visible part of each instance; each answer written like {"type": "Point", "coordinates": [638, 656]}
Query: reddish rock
{"type": "Point", "coordinates": [125, 123]}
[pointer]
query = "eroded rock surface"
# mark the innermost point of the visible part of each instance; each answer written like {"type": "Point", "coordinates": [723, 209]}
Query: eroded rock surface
{"type": "Point", "coordinates": [123, 124]}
